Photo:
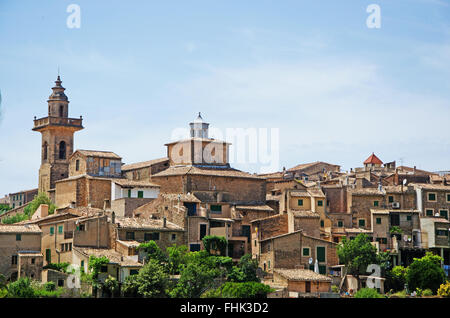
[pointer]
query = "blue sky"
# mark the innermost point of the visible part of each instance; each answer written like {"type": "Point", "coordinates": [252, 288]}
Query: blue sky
{"type": "Point", "coordinates": [136, 70]}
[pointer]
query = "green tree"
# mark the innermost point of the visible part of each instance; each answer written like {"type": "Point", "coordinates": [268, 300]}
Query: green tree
{"type": "Point", "coordinates": [396, 278]}
{"type": "Point", "coordinates": [130, 287]}
{"type": "Point", "coordinates": [426, 272]}
{"type": "Point", "coordinates": [31, 207]}
{"type": "Point", "coordinates": [152, 281]}
{"type": "Point", "coordinates": [245, 271]}
{"type": "Point", "coordinates": [153, 251]}
{"type": "Point", "coordinates": [215, 244]}
{"type": "Point", "coordinates": [177, 256]}
{"type": "Point", "coordinates": [21, 288]}
{"type": "Point", "coordinates": [111, 285]}
{"type": "Point", "coordinates": [357, 254]}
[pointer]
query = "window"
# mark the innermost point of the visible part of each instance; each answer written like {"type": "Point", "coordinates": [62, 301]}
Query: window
{"type": "Point", "coordinates": [103, 269]}
{"type": "Point", "coordinates": [361, 222]}
{"type": "Point", "coordinates": [376, 203]}
{"type": "Point", "coordinates": [390, 199]}
{"type": "Point", "coordinates": [82, 265]}
{"type": "Point", "coordinates": [60, 229]}
{"type": "Point", "coordinates": [202, 231]}
{"type": "Point", "coordinates": [378, 220]}
{"type": "Point", "coordinates": [306, 251]}
{"type": "Point", "coordinates": [322, 269]}
{"type": "Point", "coordinates": [448, 197]}
{"type": "Point", "coordinates": [33, 260]}
{"type": "Point", "coordinates": [134, 272]}
{"type": "Point", "coordinates": [18, 237]}
{"type": "Point", "coordinates": [14, 260]}
{"type": "Point", "coordinates": [194, 247]}
{"type": "Point", "coordinates": [62, 150]}
{"type": "Point", "coordinates": [429, 212]}
{"type": "Point", "coordinates": [48, 255]}
{"type": "Point", "coordinates": [395, 219]}
{"type": "Point", "coordinates": [173, 237]}
{"type": "Point", "coordinates": [322, 224]}
{"type": "Point", "coordinates": [45, 151]}
{"type": "Point", "coordinates": [320, 253]}
{"type": "Point", "coordinates": [320, 203]}
{"type": "Point", "coordinates": [408, 218]}
{"type": "Point", "coordinates": [431, 196]}
{"type": "Point", "coordinates": [300, 202]}
{"type": "Point", "coordinates": [60, 282]}
{"type": "Point", "coordinates": [62, 247]}
{"type": "Point", "coordinates": [129, 235]}
{"type": "Point", "coordinates": [340, 224]}
{"type": "Point", "coordinates": [216, 209]}
{"type": "Point", "coordinates": [52, 230]}
{"type": "Point", "coordinates": [61, 111]}
{"type": "Point", "coordinates": [140, 194]}
{"type": "Point", "coordinates": [441, 232]}
{"type": "Point", "coordinates": [81, 227]}
{"type": "Point", "coordinates": [77, 165]}
{"type": "Point", "coordinates": [443, 213]}
{"type": "Point", "coordinates": [129, 193]}
{"type": "Point", "coordinates": [384, 240]}
{"type": "Point", "coordinates": [151, 236]}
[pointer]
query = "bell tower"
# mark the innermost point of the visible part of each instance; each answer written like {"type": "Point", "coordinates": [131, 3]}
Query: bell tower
{"type": "Point", "coordinates": [57, 131]}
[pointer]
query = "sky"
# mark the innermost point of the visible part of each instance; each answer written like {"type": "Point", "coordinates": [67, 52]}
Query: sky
{"type": "Point", "coordinates": [335, 89]}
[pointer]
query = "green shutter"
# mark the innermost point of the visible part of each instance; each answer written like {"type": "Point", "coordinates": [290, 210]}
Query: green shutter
{"type": "Point", "coordinates": [321, 253]}
{"type": "Point", "coordinates": [300, 202]}
{"type": "Point", "coordinates": [408, 218]}
{"type": "Point", "coordinates": [18, 237]}
{"type": "Point", "coordinates": [431, 197]}
{"type": "Point", "coordinates": [429, 212]}
{"type": "Point", "coordinates": [362, 223]}
{"type": "Point", "coordinates": [322, 223]}
{"type": "Point", "coordinates": [320, 203]}
{"type": "Point", "coordinates": [340, 224]}
{"type": "Point", "coordinates": [60, 229]}
{"type": "Point", "coordinates": [129, 193]}
{"type": "Point", "coordinates": [378, 220]}
{"type": "Point", "coordinates": [140, 194]}
{"type": "Point", "coordinates": [52, 230]}
{"type": "Point", "coordinates": [375, 203]}
{"type": "Point", "coordinates": [322, 269]}
{"type": "Point", "coordinates": [48, 255]}
{"type": "Point", "coordinates": [305, 251]}
{"type": "Point", "coordinates": [391, 199]}
{"type": "Point", "coordinates": [444, 213]}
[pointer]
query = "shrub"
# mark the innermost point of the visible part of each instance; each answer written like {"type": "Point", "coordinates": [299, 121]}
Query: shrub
{"type": "Point", "coordinates": [50, 286]}
{"type": "Point", "coordinates": [21, 288]}
{"type": "Point", "coordinates": [400, 294]}
{"type": "Point", "coordinates": [425, 272]}
{"type": "Point", "coordinates": [368, 293]}
{"type": "Point", "coordinates": [427, 292]}
{"type": "Point", "coordinates": [444, 290]}
{"type": "Point", "coordinates": [335, 289]}
{"type": "Point", "coordinates": [396, 278]}
{"type": "Point", "coordinates": [245, 290]}
{"type": "Point", "coordinates": [60, 267]}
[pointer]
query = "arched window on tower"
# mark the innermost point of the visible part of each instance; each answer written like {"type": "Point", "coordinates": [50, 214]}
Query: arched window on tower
{"type": "Point", "coordinates": [61, 111]}
{"type": "Point", "coordinates": [45, 151]}
{"type": "Point", "coordinates": [62, 150]}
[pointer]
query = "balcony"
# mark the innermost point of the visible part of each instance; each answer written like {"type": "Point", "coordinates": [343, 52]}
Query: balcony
{"type": "Point", "coordinates": [57, 121]}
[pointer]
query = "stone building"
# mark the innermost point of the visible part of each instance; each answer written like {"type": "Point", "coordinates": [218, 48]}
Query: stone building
{"type": "Point", "coordinates": [435, 237]}
{"type": "Point", "coordinates": [20, 198]}
{"type": "Point", "coordinates": [433, 199]}
{"type": "Point", "coordinates": [296, 250]}
{"type": "Point", "coordinates": [57, 131]}
{"type": "Point", "coordinates": [95, 163]}
{"type": "Point", "coordinates": [301, 281]}
{"type": "Point", "coordinates": [20, 251]}
{"type": "Point", "coordinates": [144, 170]}
{"type": "Point", "coordinates": [128, 195]}
{"type": "Point", "coordinates": [314, 171]}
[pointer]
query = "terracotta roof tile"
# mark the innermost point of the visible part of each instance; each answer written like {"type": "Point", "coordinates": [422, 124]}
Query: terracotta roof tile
{"type": "Point", "coordinates": [302, 275]}
{"type": "Point", "coordinates": [26, 228]}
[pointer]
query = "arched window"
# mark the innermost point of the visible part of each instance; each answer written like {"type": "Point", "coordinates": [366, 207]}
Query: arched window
{"type": "Point", "coordinates": [77, 165]}
{"type": "Point", "coordinates": [45, 151]}
{"type": "Point", "coordinates": [61, 111]}
{"type": "Point", "coordinates": [62, 150]}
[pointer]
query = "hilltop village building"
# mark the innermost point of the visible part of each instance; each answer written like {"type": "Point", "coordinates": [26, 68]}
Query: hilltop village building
{"type": "Point", "coordinates": [290, 221]}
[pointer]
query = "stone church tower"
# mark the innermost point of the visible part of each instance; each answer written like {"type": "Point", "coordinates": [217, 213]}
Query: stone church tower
{"type": "Point", "coordinates": [57, 131]}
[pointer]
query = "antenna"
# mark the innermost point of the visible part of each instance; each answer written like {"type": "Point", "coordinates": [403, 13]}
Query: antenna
{"type": "Point", "coordinates": [58, 70]}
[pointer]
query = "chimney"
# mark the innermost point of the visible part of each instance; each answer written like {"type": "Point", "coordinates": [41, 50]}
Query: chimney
{"type": "Point", "coordinates": [106, 204]}
{"type": "Point", "coordinates": [414, 171]}
{"type": "Point", "coordinates": [42, 211]}
{"type": "Point", "coordinates": [113, 217]}
{"type": "Point", "coordinates": [72, 205]}
{"type": "Point", "coordinates": [164, 222]}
